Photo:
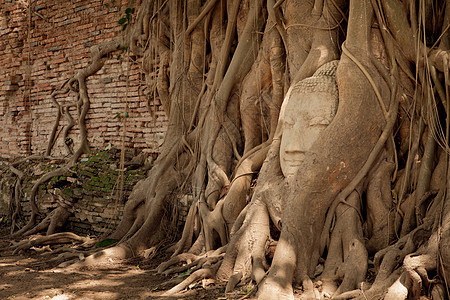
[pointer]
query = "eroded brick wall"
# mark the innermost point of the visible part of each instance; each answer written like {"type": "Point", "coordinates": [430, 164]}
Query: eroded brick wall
{"type": "Point", "coordinates": [42, 46]}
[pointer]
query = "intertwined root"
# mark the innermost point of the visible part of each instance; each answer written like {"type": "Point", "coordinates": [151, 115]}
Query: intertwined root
{"type": "Point", "coordinates": [189, 261]}
{"type": "Point", "coordinates": [56, 238]}
{"type": "Point", "coordinates": [246, 257]}
{"type": "Point", "coordinates": [52, 222]}
{"type": "Point", "coordinates": [198, 266]}
{"type": "Point", "coordinates": [243, 258]}
{"type": "Point", "coordinates": [208, 271]}
{"type": "Point", "coordinates": [62, 257]}
{"type": "Point", "coordinates": [347, 257]}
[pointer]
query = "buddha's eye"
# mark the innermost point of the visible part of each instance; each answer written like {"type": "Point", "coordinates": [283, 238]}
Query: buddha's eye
{"type": "Point", "coordinates": [319, 121]}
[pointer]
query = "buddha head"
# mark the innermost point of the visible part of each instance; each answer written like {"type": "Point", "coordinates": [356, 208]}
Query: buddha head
{"type": "Point", "coordinates": [310, 108]}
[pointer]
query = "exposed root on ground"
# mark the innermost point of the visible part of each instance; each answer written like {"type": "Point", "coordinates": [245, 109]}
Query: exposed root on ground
{"type": "Point", "coordinates": [56, 238]}
{"type": "Point", "coordinates": [208, 271]}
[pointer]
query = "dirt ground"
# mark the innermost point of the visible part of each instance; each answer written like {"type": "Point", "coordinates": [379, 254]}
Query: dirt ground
{"type": "Point", "coordinates": [28, 276]}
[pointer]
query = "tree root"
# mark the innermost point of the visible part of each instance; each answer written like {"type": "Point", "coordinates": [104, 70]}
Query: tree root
{"type": "Point", "coordinates": [380, 215]}
{"type": "Point", "coordinates": [17, 192]}
{"type": "Point", "coordinates": [236, 199]}
{"type": "Point", "coordinates": [414, 278]}
{"type": "Point", "coordinates": [56, 238]}
{"type": "Point", "coordinates": [388, 259]}
{"type": "Point", "coordinates": [189, 229]}
{"type": "Point", "coordinates": [438, 292]}
{"type": "Point", "coordinates": [206, 271]}
{"type": "Point", "coordinates": [187, 258]}
{"type": "Point", "coordinates": [54, 220]}
{"type": "Point", "coordinates": [221, 220]}
{"type": "Point", "coordinates": [213, 222]}
{"type": "Point", "coordinates": [347, 255]}
{"type": "Point", "coordinates": [61, 257]}
{"type": "Point", "coordinates": [193, 266]}
{"type": "Point", "coordinates": [189, 261]}
{"type": "Point", "coordinates": [14, 205]}
{"type": "Point", "coordinates": [34, 209]}
{"type": "Point", "coordinates": [387, 131]}
{"type": "Point", "coordinates": [59, 112]}
{"type": "Point", "coordinates": [246, 254]}
{"type": "Point", "coordinates": [401, 283]}
{"type": "Point", "coordinates": [78, 85]}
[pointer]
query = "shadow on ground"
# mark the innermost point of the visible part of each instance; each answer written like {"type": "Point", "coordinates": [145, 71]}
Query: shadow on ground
{"type": "Point", "coordinates": [20, 278]}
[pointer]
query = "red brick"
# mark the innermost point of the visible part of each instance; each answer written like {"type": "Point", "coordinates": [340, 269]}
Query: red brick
{"type": "Point", "coordinates": [58, 51]}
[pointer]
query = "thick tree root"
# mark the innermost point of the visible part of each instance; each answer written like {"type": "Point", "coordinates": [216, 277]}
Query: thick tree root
{"type": "Point", "coordinates": [246, 254]}
{"type": "Point", "coordinates": [205, 272]}
{"type": "Point", "coordinates": [193, 266]}
{"type": "Point", "coordinates": [189, 261]}
{"type": "Point", "coordinates": [213, 223]}
{"type": "Point", "coordinates": [106, 256]}
{"type": "Point", "coordinates": [380, 215]}
{"type": "Point", "coordinates": [14, 204]}
{"type": "Point", "coordinates": [187, 258]}
{"type": "Point", "coordinates": [34, 208]}
{"type": "Point", "coordinates": [61, 257]}
{"type": "Point", "coordinates": [54, 220]}
{"type": "Point", "coordinates": [347, 255]}
{"type": "Point", "coordinates": [56, 238]}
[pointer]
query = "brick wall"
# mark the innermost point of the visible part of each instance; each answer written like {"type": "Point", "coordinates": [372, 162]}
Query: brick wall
{"type": "Point", "coordinates": [89, 192]}
{"type": "Point", "coordinates": [42, 46]}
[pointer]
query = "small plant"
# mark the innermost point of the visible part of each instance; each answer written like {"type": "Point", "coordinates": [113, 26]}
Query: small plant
{"type": "Point", "coordinates": [121, 115]}
{"type": "Point", "coordinates": [124, 21]}
{"type": "Point", "coordinates": [248, 289]}
{"type": "Point", "coordinates": [105, 243]}
{"type": "Point", "coordinates": [185, 275]}
{"type": "Point", "coordinates": [123, 48]}
{"type": "Point", "coordinates": [4, 220]}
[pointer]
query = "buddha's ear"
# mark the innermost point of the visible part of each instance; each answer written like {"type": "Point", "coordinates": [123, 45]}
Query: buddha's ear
{"type": "Point", "coordinates": [319, 121]}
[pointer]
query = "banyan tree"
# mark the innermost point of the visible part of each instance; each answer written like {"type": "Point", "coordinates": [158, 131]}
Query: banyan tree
{"type": "Point", "coordinates": [311, 136]}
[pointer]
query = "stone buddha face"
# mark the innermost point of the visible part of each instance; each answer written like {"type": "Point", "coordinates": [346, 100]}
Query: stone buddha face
{"type": "Point", "coordinates": [310, 109]}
